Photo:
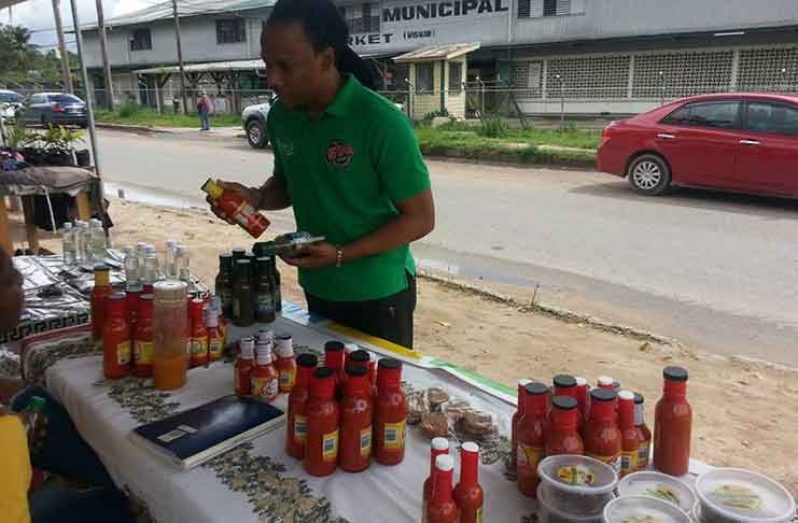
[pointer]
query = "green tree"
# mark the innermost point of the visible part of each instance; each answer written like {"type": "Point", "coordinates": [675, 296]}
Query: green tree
{"type": "Point", "coordinates": [23, 63]}
{"type": "Point", "coordinates": [16, 52]}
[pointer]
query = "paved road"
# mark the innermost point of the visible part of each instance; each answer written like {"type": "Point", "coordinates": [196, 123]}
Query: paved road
{"type": "Point", "coordinates": [717, 272]}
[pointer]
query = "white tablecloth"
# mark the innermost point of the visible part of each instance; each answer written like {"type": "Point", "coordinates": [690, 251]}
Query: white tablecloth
{"type": "Point", "coordinates": [260, 483]}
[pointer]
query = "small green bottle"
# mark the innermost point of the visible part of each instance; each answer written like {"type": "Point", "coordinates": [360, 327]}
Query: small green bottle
{"type": "Point", "coordinates": [264, 292]}
{"type": "Point", "coordinates": [243, 294]}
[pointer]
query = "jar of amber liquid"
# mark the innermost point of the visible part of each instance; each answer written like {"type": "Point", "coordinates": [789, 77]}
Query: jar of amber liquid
{"type": "Point", "coordinates": [170, 333]}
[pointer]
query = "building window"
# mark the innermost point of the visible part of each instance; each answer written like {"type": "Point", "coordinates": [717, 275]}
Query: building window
{"type": "Point", "coordinates": [524, 8]}
{"type": "Point", "coordinates": [141, 40]}
{"type": "Point", "coordinates": [230, 31]}
{"type": "Point", "coordinates": [543, 8]}
{"type": "Point", "coordinates": [455, 77]}
{"type": "Point", "coordinates": [363, 18]}
{"type": "Point", "coordinates": [425, 78]}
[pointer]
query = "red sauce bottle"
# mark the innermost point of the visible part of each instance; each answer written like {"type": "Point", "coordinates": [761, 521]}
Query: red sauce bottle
{"type": "Point", "coordinates": [134, 292]}
{"type": "Point", "coordinates": [565, 385]}
{"type": "Point", "coordinates": [286, 363]}
{"type": "Point", "coordinates": [390, 413]}
{"type": "Point", "coordinates": [142, 339]}
{"type": "Point", "coordinates": [215, 336]}
{"type": "Point", "coordinates": [99, 300]}
{"type": "Point", "coordinates": [357, 411]}
{"type": "Point", "coordinates": [468, 494]}
{"type": "Point", "coordinates": [644, 433]}
{"type": "Point", "coordinates": [673, 424]}
{"type": "Point", "coordinates": [265, 380]}
{"type": "Point", "coordinates": [563, 436]}
{"type": "Point", "coordinates": [236, 208]}
{"type": "Point", "coordinates": [602, 437]}
{"type": "Point", "coordinates": [532, 437]}
{"type": "Point", "coordinates": [441, 507]}
{"type": "Point", "coordinates": [630, 437]}
{"type": "Point", "coordinates": [519, 412]}
{"type": "Point", "coordinates": [297, 425]}
{"type": "Point", "coordinates": [321, 448]}
{"type": "Point", "coordinates": [116, 338]}
{"type": "Point", "coordinates": [199, 334]}
{"type": "Point", "coordinates": [438, 447]}
{"type": "Point", "coordinates": [334, 354]}
{"type": "Point", "coordinates": [244, 365]}
{"type": "Point", "coordinates": [583, 398]}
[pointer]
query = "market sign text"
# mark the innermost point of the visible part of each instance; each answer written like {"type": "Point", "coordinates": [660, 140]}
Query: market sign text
{"type": "Point", "coordinates": [443, 10]}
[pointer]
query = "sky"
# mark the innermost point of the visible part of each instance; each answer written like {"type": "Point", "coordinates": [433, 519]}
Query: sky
{"type": "Point", "coordinates": [37, 15]}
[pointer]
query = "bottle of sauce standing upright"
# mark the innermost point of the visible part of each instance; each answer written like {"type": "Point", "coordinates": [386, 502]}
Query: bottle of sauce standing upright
{"type": "Point", "coordinates": [519, 412]}
{"type": "Point", "coordinates": [438, 447]}
{"type": "Point", "coordinates": [583, 398]}
{"type": "Point", "coordinates": [323, 415]}
{"type": "Point", "coordinates": [362, 358]}
{"type": "Point", "coordinates": [357, 412]}
{"type": "Point", "coordinates": [563, 435]}
{"type": "Point", "coordinates": [606, 383]}
{"type": "Point", "coordinates": [334, 358]}
{"type": "Point", "coordinates": [441, 507]}
{"type": "Point", "coordinates": [673, 424]}
{"type": "Point", "coordinates": [215, 336]}
{"type": "Point", "coordinates": [265, 310]}
{"type": "Point", "coordinates": [199, 334]}
{"type": "Point", "coordinates": [243, 294]}
{"type": "Point", "coordinates": [468, 494]}
{"type": "Point", "coordinates": [390, 413]}
{"type": "Point", "coordinates": [565, 385]}
{"type": "Point", "coordinates": [236, 208]}
{"type": "Point", "coordinates": [143, 347]}
{"type": "Point", "coordinates": [278, 293]}
{"type": "Point", "coordinates": [224, 283]}
{"type": "Point", "coordinates": [602, 437]}
{"type": "Point", "coordinates": [116, 338]}
{"type": "Point", "coordinates": [265, 380]}
{"type": "Point", "coordinates": [644, 433]}
{"type": "Point", "coordinates": [630, 438]}
{"type": "Point", "coordinates": [99, 300]}
{"type": "Point", "coordinates": [243, 367]}
{"type": "Point", "coordinates": [286, 362]}
{"type": "Point", "coordinates": [532, 437]}
{"type": "Point", "coordinates": [297, 422]}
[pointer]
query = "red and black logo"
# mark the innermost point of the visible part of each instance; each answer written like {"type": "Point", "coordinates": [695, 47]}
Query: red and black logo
{"type": "Point", "coordinates": [339, 154]}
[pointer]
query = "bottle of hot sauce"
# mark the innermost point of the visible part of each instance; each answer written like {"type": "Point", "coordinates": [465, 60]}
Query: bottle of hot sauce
{"type": "Point", "coordinates": [441, 507]}
{"type": "Point", "coordinates": [583, 398]}
{"type": "Point", "coordinates": [468, 494]}
{"type": "Point", "coordinates": [630, 438]}
{"type": "Point", "coordinates": [673, 424]}
{"type": "Point", "coordinates": [116, 338]}
{"type": "Point", "coordinates": [519, 412]}
{"type": "Point", "coordinates": [99, 300]}
{"type": "Point", "coordinates": [321, 448]}
{"type": "Point", "coordinates": [297, 424]}
{"type": "Point", "coordinates": [265, 380]}
{"type": "Point", "coordinates": [286, 362]}
{"type": "Point", "coordinates": [390, 413]}
{"type": "Point", "coordinates": [244, 366]}
{"type": "Point", "coordinates": [602, 437]}
{"type": "Point", "coordinates": [565, 385]}
{"type": "Point", "coordinates": [334, 358]}
{"type": "Point", "coordinates": [236, 208]}
{"type": "Point", "coordinates": [357, 411]}
{"type": "Point", "coordinates": [215, 336]}
{"type": "Point", "coordinates": [644, 433]}
{"type": "Point", "coordinates": [199, 334]}
{"type": "Point", "coordinates": [532, 437]}
{"type": "Point", "coordinates": [142, 340]}
{"type": "Point", "coordinates": [563, 436]}
{"type": "Point", "coordinates": [438, 447]}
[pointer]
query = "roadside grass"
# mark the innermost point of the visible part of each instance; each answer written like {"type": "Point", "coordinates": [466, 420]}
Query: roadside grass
{"type": "Point", "coordinates": [149, 117]}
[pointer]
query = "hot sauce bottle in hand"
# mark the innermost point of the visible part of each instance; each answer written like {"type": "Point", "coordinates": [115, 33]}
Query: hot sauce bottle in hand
{"type": "Point", "coordinates": [468, 494]}
{"type": "Point", "coordinates": [236, 208]}
{"type": "Point", "coordinates": [390, 413]}
{"type": "Point", "coordinates": [297, 423]}
{"type": "Point", "coordinates": [321, 448]}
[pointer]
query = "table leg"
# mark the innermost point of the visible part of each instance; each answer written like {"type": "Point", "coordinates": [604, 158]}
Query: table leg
{"type": "Point", "coordinates": [30, 224]}
{"type": "Point", "coordinates": [84, 208]}
{"type": "Point", "coordinates": [5, 232]}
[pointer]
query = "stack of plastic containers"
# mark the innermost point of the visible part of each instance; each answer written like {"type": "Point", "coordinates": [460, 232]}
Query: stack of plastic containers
{"type": "Point", "coordinates": [661, 486]}
{"type": "Point", "coordinates": [574, 489]}
{"type": "Point", "coordinates": [736, 495]}
{"type": "Point", "coordinates": [643, 509]}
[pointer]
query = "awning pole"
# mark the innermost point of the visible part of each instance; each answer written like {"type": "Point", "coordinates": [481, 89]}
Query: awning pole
{"type": "Point", "coordinates": [90, 113]}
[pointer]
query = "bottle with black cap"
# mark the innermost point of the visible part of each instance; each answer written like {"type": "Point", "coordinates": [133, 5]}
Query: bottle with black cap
{"type": "Point", "coordinates": [673, 425]}
{"type": "Point", "coordinates": [602, 437]}
{"type": "Point", "coordinates": [531, 436]}
{"type": "Point", "coordinates": [563, 436]}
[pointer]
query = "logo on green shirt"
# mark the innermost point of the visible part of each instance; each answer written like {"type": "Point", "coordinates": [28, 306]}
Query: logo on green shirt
{"type": "Point", "coordinates": [339, 154]}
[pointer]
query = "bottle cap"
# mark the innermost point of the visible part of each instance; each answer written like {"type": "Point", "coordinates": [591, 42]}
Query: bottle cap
{"type": "Point", "coordinates": [626, 395]}
{"type": "Point", "coordinates": [284, 347]}
{"type": "Point", "coordinates": [263, 355]}
{"type": "Point", "coordinates": [212, 188]}
{"type": "Point", "coordinates": [333, 346]}
{"type": "Point", "coordinates": [265, 335]}
{"type": "Point", "coordinates": [226, 261]}
{"type": "Point", "coordinates": [359, 356]}
{"type": "Point", "coordinates": [440, 444]}
{"type": "Point", "coordinates": [564, 381]}
{"type": "Point", "coordinates": [213, 318]}
{"type": "Point", "coordinates": [307, 360]}
{"type": "Point", "coordinates": [535, 388]}
{"type": "Point", "coordinates": [639, 399]}
{"type": "Point", "coordinates": [37, 403]}
{"type": "Point", "coordinates": [356, 370]}
{"type": "Point", "coordinates": [564, 402]}
{"type": "Point", "coordinates": [444, 463]}
{"type": "Point", "coordinates": [675, 374]}
{"type": "Point", "coordinates": [170, 290]}
{"type": "Point", "coordinates": [323, 383]}
{"type": "Point", "coordinates": [247, 346]}
{"type": "Point", "coordinates": [470, 446]}
{"type": "Point", "coordinates": [67, 226]}
{"type": "Point", "coordinates": [605, 381]}
{"type": "Point", "coordinates": [580, 381]}
{"type": "Point", "coordinates": [100, 267]}
{"type": "Point", "coordinates": [603, 395]}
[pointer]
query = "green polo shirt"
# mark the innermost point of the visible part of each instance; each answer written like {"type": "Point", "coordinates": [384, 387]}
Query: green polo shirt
{"type": "Point", "coordinates": [345, 172]}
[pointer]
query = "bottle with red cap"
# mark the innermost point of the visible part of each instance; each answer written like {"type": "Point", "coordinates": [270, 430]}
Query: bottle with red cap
{"type": "Point", "coordinates": [519, 412]}
{"type": "Point", "coordinates": [323, 416]}
{"type": "Point", "coordinates": [441, 507]}
{"type": "Point", "coordinates": [566, 385]}
{"type": "Point", "coordinates": [438, 447]}
{"type": "Point", "coordinates": [673, 424]}
{"type": "Point", "coordinates": [602, 437]}
{"type": "Point", "coordinates": [390, 413]}
{"type": "Point", "coordinates": [143, 338]}
{"type": "Point", "coordinates": [644, 433]}
{"type": "Point", "coordinates": [116, 338]}
{"type": "Point", "coordinates": [532, 437]}
{"type": "Point", "coordinates": [215, 336]}
{"type": "Point", "coordinates": [265, 380]}
{"type": "Point", "coordinates": [297, 423]}
{"type": "Point", "coordinates": [243, 367]}
{"type": "Point", "coordinates": [563, 436]}
{"type": "Point", "coordinates": [468, 494]}
{"type": "Point", "coordinates": [357, 410]}
{"type": "Point", "coordinates": [199, 334]}
{"type": "Point", "coordinates": [630, 439]}
{"type": "Point", "coordinates": [286, 362]}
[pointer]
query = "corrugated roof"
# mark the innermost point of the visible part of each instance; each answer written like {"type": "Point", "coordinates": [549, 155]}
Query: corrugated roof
{"type": "Point", "coordinates": [163, 10]}
{"type": "Point", "coordinates": [437, 52]}
{"type": "Point", "coordinates": [234, 65]}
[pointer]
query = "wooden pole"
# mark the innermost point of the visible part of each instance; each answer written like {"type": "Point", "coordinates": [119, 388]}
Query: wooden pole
{"type": "Point", "coordinates": [66, 73]}
{"type": "Point", "coordinates": [109, 86]}
{"type": "Point", "coordinates": [180, 57]}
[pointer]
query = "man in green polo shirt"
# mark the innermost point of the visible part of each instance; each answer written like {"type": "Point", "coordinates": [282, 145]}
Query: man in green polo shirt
{"type": "Point", "coordinates": [348, 162]}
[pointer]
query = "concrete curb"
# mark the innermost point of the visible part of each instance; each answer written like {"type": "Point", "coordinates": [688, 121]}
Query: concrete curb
{"type": "Point", "coordinates": [132, 128]}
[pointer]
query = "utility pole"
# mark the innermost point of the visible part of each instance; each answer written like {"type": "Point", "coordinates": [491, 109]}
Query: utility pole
{"type": "Point", "coordinates": [180, 57]}
{"type": "Point", "coordinates": [66, 72]}
{"type": "Point", "coordinates": [109, 86]}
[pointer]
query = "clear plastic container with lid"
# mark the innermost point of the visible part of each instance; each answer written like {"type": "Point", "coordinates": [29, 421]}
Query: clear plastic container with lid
{"type": "Point", "coordinates": [577, 484]}
{"type": "Point", "coordinates": [661, 486]}
{"type": "Point", "coordinates": [736, 495]}
{"type": "Point", "coordinates": [643, 509]}
{"type": "Point", "coordinates": [548, 513]}
{"type": "Point", "coordinates": [170, 332]}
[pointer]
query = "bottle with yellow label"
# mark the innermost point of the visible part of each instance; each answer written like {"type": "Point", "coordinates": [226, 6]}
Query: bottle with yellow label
{"type": "Point", "coordinates": [323, 421]}
{"type": "Point", "coordinates": [390, 413]}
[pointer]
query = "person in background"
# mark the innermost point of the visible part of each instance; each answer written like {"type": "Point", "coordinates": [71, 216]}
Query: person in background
{"type": "Point", "coordinates": [204, 108]}
{"type": "Point", "coordinates": [348, 162]}
{"type": "Point", "coordinates": [58, 447]}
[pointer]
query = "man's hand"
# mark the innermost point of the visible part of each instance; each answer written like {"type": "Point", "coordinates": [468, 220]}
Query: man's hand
{"type": "Point", "coordinates": [249, 194]}
{"type": "Point", "coordinates": [314, 256]}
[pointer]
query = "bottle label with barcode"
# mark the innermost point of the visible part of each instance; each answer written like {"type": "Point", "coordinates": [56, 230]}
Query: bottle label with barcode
{"type": "Point", "coordinates": [329, 447]}
{"type": "Point", "coordinates": [123, 353]}
{"type": "Point", "coordinates": [365, 442]}
{"type": "Point", "coordinates": [394, 436]}
{"type": "Point", "coordinates": [300, 428]}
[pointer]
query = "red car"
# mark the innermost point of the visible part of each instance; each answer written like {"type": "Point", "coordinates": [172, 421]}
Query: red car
{"type": "Point", "coordinates": [736, 142]}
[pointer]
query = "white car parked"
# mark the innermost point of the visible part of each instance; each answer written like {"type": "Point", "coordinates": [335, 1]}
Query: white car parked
{"type": "Point", "coordinates": [10, 103]}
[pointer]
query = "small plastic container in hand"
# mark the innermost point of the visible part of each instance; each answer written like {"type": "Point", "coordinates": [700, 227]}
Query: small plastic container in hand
{"type": "Point", "coordinates": [644, 509]}
{"type": "Point", "coordinates": [577, 484]}
{"type": "Point", "coordinates": [661, 486]}
{"type": "Point", "coordinates": [731, 495]}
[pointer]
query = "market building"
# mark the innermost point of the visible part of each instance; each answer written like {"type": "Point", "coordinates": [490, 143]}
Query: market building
{"type": "Point", "coordinates": [528, 56]}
